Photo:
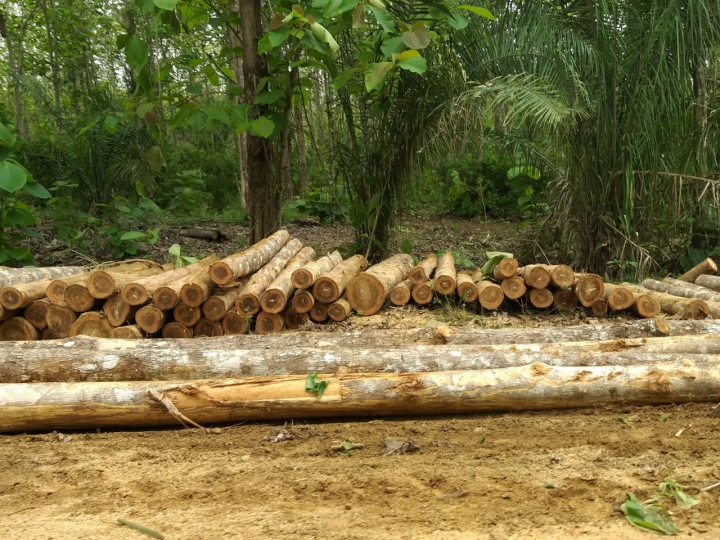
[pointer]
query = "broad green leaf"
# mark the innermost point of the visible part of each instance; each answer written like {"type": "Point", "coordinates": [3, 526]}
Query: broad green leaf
{"type": "Point", "coordinates": [262, 127]}
{"type": "Point", "coordinates": [267, 98]}
{"type": "Point", "coordinates": [121, 40]}
{"type": "Point", "coordinates": [410, 53]}
{"type": "Point", "coordinates": [338, 7]}
{"type": "Point", "coordinates": [5, 136]}
{"type": "Point", "coordinates": [143, 108]}
{"type": "Point", "coordinates": [358, 16]}
{"type": "Point", "coordinates": [478, 11]}
{"type": "Point", "coordinates": [392, 46]}
{"type": "Point", "coordinates": [111, 123]}
{"type": "Point", "coordinates": [194, 88]}
{"type": "Point", "coordinates": [457, 21]}
{"type": "Point", "coordinates": [314, 384]}
{"type": "Point", "coordinates": [378, 73]}
{"type": "Point", "coordinates": [168, 5]}
{"type": "Point", "coordinates": [216, 113]}
{"type": "Point", "coordinates": [416, 64]}
{"type": "Point", "coordinates": [133, 235]}
{"type": "Point", "coordinates": [649, 518]}
{"type": "Point", "coordinates": [3, 256]}
{"type": "Point", "coordinates": [17, 216]}
{"type": "Point", "coordinates": [278, 37]}
{"type": "Point", "coordinates": [418, 38]}
{"type": "Point", "coordinates": [264, 44]}
{"type": "Point", "coordinates": [155, 159]}
{"type": "Point", "coordinates": [5, 152]}
{"type": "Point", "coordinates": [136, 53]}
{"type": "Point", "coordinates": [321, 34]}
{"type": "Point", "coordinates": [406, 246]}
{"type": "Point", "coordinates": [384, 18]}
{"type": "Point", "coordinates": [36, 190]}
{"type": "Point", "coordinates": [12, 176]}
{"type": "Point", "coordinates": [174, 250]}
{"type": "Point", "coordinates": [342, 79]}
{"type": "Point", "coordinates": [19, 253]}
{"type": "Point", "coordinates": [532, 172]}
{"type": "Point", "coordinates": [377, 4]}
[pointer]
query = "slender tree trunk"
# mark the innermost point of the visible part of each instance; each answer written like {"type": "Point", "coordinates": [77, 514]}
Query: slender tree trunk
{"type": "Point", "coordinates": [301, 158]}
{"type": "Point", "coordinates": [240, 138]}
{"type": "Point", "coordinates": [52, 49]}
{"type": "Point", "coordinates": [264, 195]}
{"type": "Point", "coordinates": [285, 152]}
{"type": "Point", "coordinates": [15, 74]}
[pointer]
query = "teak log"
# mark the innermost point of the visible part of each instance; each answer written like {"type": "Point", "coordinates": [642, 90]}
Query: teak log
{"type": "Point", "coordinates": [249, 300]}
{"type": "Point", "coordinates": [641, 304]}
{"type": "Point", "coordinates": [269, 323]}
{"type": "Point", "coordinates": [276, 295]}
{"type": "Point", "coordinates": [466, 288]}
{"type": "Point", "coordinates": [7, 313]}
{"type": "Point", "coordinates": [91, 323]}
{"type": "Point", "coordinates": [48, 333]}
{"type": "Point", "coordinates": [15, 276]}
{"type": "Point", "coordinates": [535, 275]}
{"type": "Point", "coordinates": [207, 328]}
{"type": "Point", "coordinates": [305, 277]}
{"type": "Point", "coordinates": [127, 332]}
{"type": "Point", "coordinates": [169, 295]}
{"type": "Point", "coordinates": [513, 287]}
{"type": "Point", "coordinates": [564, 300]}
{"type": "Point", "coordinates": [203, 234]}
{"type": "Point", "coordinates": [319, 312]}
{"type": "Point", "coordinates": [682, 290]}
{"type": "Point", "coordinates": [103, 284]}
{"type": "Point", "coordinates": [303, 301]}
{"type": "Point", "coordinates": [490, 295]}
{"type": "Point", "coordinates": [196, 292]}
{"type": "Point", "coordinates": [445, 279]}
{"type": "Point", "coordinates": [423, 293]}
{"type": "Point", "coordinates": [54, 406]}
{"type": "Point", "coordinates": [234, 323]}
{"type": "Point", "coordinates": [674, 305]}
{"type": "Point", "coordinates": [687, 284]}
{"type": "Point", "coordinates": [78, 297]}
{"type": "Point", "coordinates": [150, 319]}
{"type": "Point", "coordinates": [222, 301]}
{"type": "Point", "coordinates": [60, 318]}
{"type": "Point", "coordinates": [187, 315]}
{"type": "Point", "coordinates": [56, 290]}
{"type": "Point", "coordinates": [710, 282]}
{"type": "Point", "coordinates": [506, 268]}
{"type": "Point", "coordinates": [175, 330]}
{"type": "Point", "coordinates": [18, 329]}
{"type": "Point", "coordinates": [423, 271]}
{"type": "Point", "coordinates": [599, 308]}
{"type": "Point", "coordinates": [248, 261]}
{"type": "Point", "coordinates": [400, 293]}
{"type": "Point", "coordinates": [293, 319]}
{"type": "Point", "coordinates": [561, 275]}
{"type": "Point", "coordinates": [707, 266]}
{"type": "Point", "coordinates": [367, 291]}
{"type": "Point", "coordinates": [617, 298]}
{"type": "Point", "coordinates": [36, 313]}
{"type": "Point", "coordinates": [22, 295]}
{"type": "Point", "coordinates": [588, 288]}
{"type": "Point", "coordinates": [541, 298]}
{"type": "Point", "coordinates": [330, 286]}
{"type": "Point", "coordinates": [339, 310]}
{"type": "Point", "coordinates": [141, 291]}
{"type": "Point", "coordinates": [118, 311]}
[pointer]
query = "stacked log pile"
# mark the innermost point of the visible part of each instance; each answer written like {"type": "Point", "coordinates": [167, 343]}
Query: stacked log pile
{"type": "Point", "coordinates": [279, 284]}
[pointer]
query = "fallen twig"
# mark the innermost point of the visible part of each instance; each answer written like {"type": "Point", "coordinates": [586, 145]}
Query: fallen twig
{"type": "Point", "coordinates": [172, 409]}
{"type": "Point", "coordinates": [140, 528]}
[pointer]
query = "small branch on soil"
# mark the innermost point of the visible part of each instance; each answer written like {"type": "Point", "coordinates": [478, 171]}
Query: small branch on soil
{"type": "Point", "coordinates": [172, 409]}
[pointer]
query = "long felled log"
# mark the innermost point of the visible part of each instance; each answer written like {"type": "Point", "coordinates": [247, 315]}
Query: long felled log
{"type": "Point", "coordinates": [276, 296]}
{"type": "Point", "coordinates": [249, 261]}
{"type": "Point", "coordinates": [367, 291]}
{"type": "Point", "coordinates": [140, 291]}
{"type": "Point", "coordinates": [222, 301]}
{"type": "Point", "coordinates": [674, 305]}
{"type": "Point", "coordinates": [506, 268]}
{"type": "Point", "coordinates": [445, 274]}
{"type": "Point", "coordinates": [15, 276]}
{"type": "Point", "coordinates": [103, 284]}
{"type": "Point", "coordinates": [24, 294]}
{"type": "Point", "coordinates": [681, 290]}
{"type": "Point", "coordinates": [423, 271]}
{"type": "Point", "coordinates": [400, 293]}
{"type": "Point", "coordinates": [45, 406]}
{"type": "Point", "coordinates": [18, 329]}
{"type": "Point", "coordinates": [710, 282]}
{"type": "Point", "coordinates": [332, 284]}
{"type": "Point", "coordinates": [249, 300]}
{"type": "Point", "coordinates": [56, 290]}
{"type": "Point", "coordinates": [305, 277]}
{"type": "Point", "coordinates": [303, 301]}
{"type": "Point", "coordinates": [206, 233]}
{"type": "Point", "coordinates": [641, 304]}
{"type": "Point", "coordinates": [707, 266]}
{"type": "Point", "coordinates": [588, 288]}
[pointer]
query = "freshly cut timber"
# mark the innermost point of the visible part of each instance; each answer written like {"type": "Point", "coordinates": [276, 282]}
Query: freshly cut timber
{"type": "Point", "coordinates": [339, 310]}
{"type": "Point", "coordinates": [293, 319]}
{"type": "Point", "coordinates": [642, 304]}
{"type": "Point", "coordinates": [423, 293]}
{"type": "Point", "coordinates": [60, 318]}
{"type": "Point", "coordinates": [305, 277]}
{"type": "Point", "coordinates": [506, 268]}
{"type": "Point", "coordinates": [23, 294]}
{"type": "Point", "coordinates": [695, 286]}
{"type": "Point", "coordinates": [303, 301]}
{"type": "Point", "coordinates": [269, 323]}
{"type": "Point", "coordinates": [445, 274]}
{"type": "Point", "coordinates": [599, 308]}
{"type": "Point", "coordinates": [513, 287]}
{"type": "Point", "coordinates": [140, 291]}
{"type": "Point", "coordinates": [150, 319]}
{"type": "Point", "coordinates": [535, 275]}
{"type": "Point", "coordinates": [617, 298]}
{"type": "Point", "coordinates": [127, 332]}
{"type": "Point", "coordinates": [249, 300]}
{"type": "Point", "coordinates": [207, 328]}
{"type": "Point", "coordinates": [490, 295]}
{"type": "Point", "coordinates": [78, 297]}
{"type": "Point", "coordinates": [47, 333]}
{"type": "Point", "coordinates": [56, 290]}
{"type": "Point", "coordinates": [400, 293]}
{"type": "Point", "coordinates": [332, 284]}
{"type": "Point", "coordinates": [222, 300]}
{"type": "Point", "coordinates": [234, 323]}
{"type": "Point", "coordinates": [319, 312]}
{"type": "Point", "coordinates": [198, 285]}
{"type": "Point", "coordinates": [710, 282]}
{"type": "Point", "coordinates": [91, 323]}
{"type": "Point", "coordinates": [118, 311]}
{"type": "Point", "coordinates": [423, 271]}
{"type": "Point", "coordinates": [466, 288]}
{"type": "Point", "coordinates": [588, 288]}
{"type": "Point", "coordinates": [91, 405]}
{"type": "Point", "coordinates": [18, 329]}
{"type": "Point", "coordinates": [561, 275]}
{"type": "Point", "coordinates": [187, 315]}
{"type": "Point", "coordinates": [680, 290]}
{"type": "Point", "coordinates": [276, 296]}
{"type": "Point", "coordinates": [175, 330]}
{"type": "Point", "coordinates": [367, 291]}
{"type": "Point", "coordinates": [707, 266]}
{"type": "Point", "coordinates": [36, 313]}
{"type": "Point", "coordinates": [103, 284]}
{"type": "Point", "coordinates": [195, 292]}
{"type": "Point", "coordinates": [6, 313]}
{"type": "Point", "coordinates": [674, 305]}
{"type": "Point", "coordinates": [248, 261]}
{"type": "Point", "coordinates": [541, 298]}
{"type": "Point", "coordinates": [565, 300]}
{"type": "Point", "coordinates": [15, 276]}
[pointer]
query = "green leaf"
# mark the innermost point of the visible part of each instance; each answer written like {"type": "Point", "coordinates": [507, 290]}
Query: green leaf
{"type": "Point", "coordinates": [384, 18]}
{"type": "Point", "coordinates": [136, 53]}
{"type": "Point", "coordinates": [17, 216]}
{"type": "Point", "coordinates": [478, 11]}
{"type": "Point", "coordinates": [111, 123]}
{"type": "Point", "coordinates": [12, 176]}
{"type": "Point", "coordinates": [278, 37]}
{"type": "Point", "coordinates": [406, 246]}
{"type": "Point", "coordinates": [5, 136]}
{"type": "Point", "coordinates": [457, 21]}
{"type": "Point", "coordinates": [392, 46]}
{"type": "Point", "coordinates": [377, 74]}
{"type": "Point", "coordinates": [194, 88]}
{"type": "Point", "coordinates": [143, 108]}
{"type": "Point", "coordinates": [216, 113]}
{"type": "Point", "coordinates": [268, 98]}
{"type": "Point", "coordinates": [418, 38]}
{"type": "Point", "coordinates": [416, 64]}
{"type": "Point", "coordinates": [19, 253]}
{"type": "Point", "coordinates": [532, 172]}
{"type": "Point", "coordinates": [36, 190]}
{"type": "Point", "coordinates": [155, 159]}
{"type": "Point", "coordinates": [133, 235]}
{"type": "Point", "coordinates": [649, 518]}
{"type": "Point", "coordinates": [262, 127]}
{"type": "Point", "coordinates": [313, 384]}
{"type": "Point", "coordinates": [342, 79]}
{"type": "Point", "coordinates": [168, 5]}
{"type": "Point", "coordinates": [377, 4]}
{"type": "Point", "coordinates": [321, 34]}
{"type": "Point", "coordinates": [358, 16]}
{"type": "Point", "coordinates": [174, 250]}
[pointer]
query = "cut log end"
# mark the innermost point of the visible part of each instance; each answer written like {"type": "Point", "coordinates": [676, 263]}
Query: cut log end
{"type": "Point", "coordinates": [175, 330]}
{"type": "Point", "coordinates": [187, 315]}
{"type": "Point", "coordinates": [588, 289]}
{"type": "Point", "coordinates": [506, 268]}
{"type": "Point", "coordinates": [11, 298]}
{"type": "Point", "coordinates": [214, 308]}
{"type": "Point", "coordinates": [444, 285]}
{"type": "Point", "coordinates": [619, 299]}
{"type": "Point", "coordinates": [135, 294]}
{"type": "Point", "coordinates": [293, 319]}
{"type": "Point", "coordinates": [269, 323]}
{"type": "Point", "coordinates": [56, 291]}
{"type": "Point", "coordinates": [536, 276]}
{"type": "Point", "coordinates": [36, 314]}
{"type": "Point", "coordinates": [541, 298]}
{"type": "Point", "coordinates": [221, 273]}
{"type": "Point", "coordinates": [192, 294]}
{"type": "Point", "coordinates": [423, 271]}
{"type": "Point", "coordinates": [78, 297]}
{"type": "Point", "coordinates": [365, 293]}
{"type": "Point", "coordinates": [165, 298]}
{"type": "Point", "coordinates": [562, 275]}
{"type": "Point", "coordinates": [661, 327]}
{"type": "Point", "coordinates": [513, 287]}
{"type": "Point", "coordinates": [234, 323]}
{"type": "Point", "coordinates": [48, 333]}
{"type": "Point", "coordinates": [60, 319]}
{"type": "Point", "coordinates": [118, 311]}
{"type": "Point", "coordinates": [207, 328]}
{"type": "Point", "coordinates": [302, 278]}
{"type": "Point", "coordinates": [273, 301]}
{"type": "Point", "coordinates": [247, 304]}
{"type": "Point", "coordinates": [303, 301]}
{"type": "Point", "coordinates": [490, 295]}
{"type": "Point", "coordinates": [339, 310]}
{"type": "Point", "coordinates": [599, 308]}
{"type": "Point", "coordinates": [565, 300]}
{"type": "Point", "coordinates": [466, 288]}
{"type": "Point", "coordinates": [423, 293]}
{"type": "Point", "coordinates": [127, 332]}
{"type": "Point", "coordinates": [400, 294]}
{"type": "Point", "coordinates": [325, 290]}
{"type": "Point", "coordinates": [18, 329]}
{"type": "Point", "coordinates": [150, 319]}
{"type": "Point", "coordinates": [92, 324]}
{"type": "Point", "coordinates": [696, 310]}
{"type": "Point", "coordinates": [708, 266]}
{"type": "Point", "coordinates": [319, 312]}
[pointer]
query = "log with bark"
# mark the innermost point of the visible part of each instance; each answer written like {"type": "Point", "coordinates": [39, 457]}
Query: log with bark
{"type": "Point", "coordinates": [588, 288]}
{"type": "Point", "coordinates": [187, 315]}
{"type": "Point", "coordinates": [331, 285]}
{"type": "Point", "coordinates": [176, 330]}
{"type": "Point", "coordinates": [564, 300]}
{"type": "Point", "coordinates": [640, 304]}
{"type": "Point", "coordinates": [319, 312]}
{"type": "Point", "coordinates": [682, 290]}
{"type": "Point", "coordinates": [56, 290]}
{"type": "Point", "coordinates": [466, 288]}
{"type": "Point", "coordinates": [15, 276]}
{"type": "Point", "coordinates": [674, 305]}
{"type": "Point", "coordinates": [60, 318]}
{"type": "Point", "coordinates": [617, 298]}
{"type": "Point", "coordinates": [222, 301]}
{"type": "Point", "coordinates": [400, 294]}
{"type": "Point", "coordinates": [234, 323]}
{"type": "Point", "coordinates": [276, 296]}
{"type": "Point", "coordinates": [118, 311]}
{"type": "Point", "coordinates": [423, 293]}
{"type": "Point", "coordinates": [535, 276]}
{"type": "Point", "coordinates": [36, 313]}
{"type": "Point", "coordinates": [93, 324]}
{"type": "Point", "coordinates": [169, 295]}
{"type": "Point", "coordinates": [367, 291]}
{"type": "Point", "coordinates": [506, 268]}
{"type": "Point", "coordinates": [513, 287]}
{"type": "Point", "coordinates": [303, 301]}
{"type": "Point", "coordinates": [599, 308]}
{"type": "Point", "coordinates": [423, 271]}
{"type": "Point", "coordinates": [127, 332]}
{"type": "Point", "coordinates": [269, 323]}
{"type": "Point", "coordinates": [490, 295]}
{"type": "Point", "coordinates": [22, 295]}
{"type": "Point", "coordinates": [204, 233]}
{"type": "Point", "coordinates": [445, 274]}
{"type": "Point", "coordinates": [103, 284]}
{"type": "Point", "coordinates": [195, 292]}
{"type": "Point", "coordinates": [249, 300]}
{"type": "Point", "coordinates": [78, 297]}
{"type": "Point", "coordinates": [293, 319]}
{"type": "Point", "coordinates": [708, 266]}
{"type": "Point", "coordinates": [709, 282]}
{"type": "Point", "coordinates": [339, 310]}
{"type": "Point", "coordinates": [91, 405]}
{"type": "Point", "coordinates": [561, 275]}
{"type": "Point", "coordinates": [18, 329]}
{"type": "Point", "coordinates": [541, 298]}
{"type": "Point", "coordinates": [151, 319]}
{"type": "Point", "coordinates": [697, 287]}
{"type": "Point", "coordinates": [305, 277]}
{"type": "Point", "coordinates": [251, 260]}
{"type": "Point", "coordinates": [207, 328]}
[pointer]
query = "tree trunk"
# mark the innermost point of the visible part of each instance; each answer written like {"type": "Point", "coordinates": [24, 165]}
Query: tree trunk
{"type": "Point", "coordinates": [445, 274]}
{"type": "Point", "coordinates": [710, 282]}
{"type": "Point", "coordinates": [707, 266]}
{"type": "Point", "coordinates": [52, 45]}
{"type": "Point", "coordinates": [400, 294]}
{"type": "Point", "coordinates": [423, 271]}
{"type": "Point", "coordinates": [16, 276]}
{"type": "Point", "coordinates": [251, 260]}
{"type": "Point", "coordinates": [367, 291]}
{"type": "Point", "coordinates": [423, 293]}
{"type": "Point", "coordinates": [276, 296]}
{"type": "Point", "coordinates": [466, 288]}
{"type": "Point", "coordinates": [301, 158]}
{"type": "Point", "coordinates": [506, 268]}
{"type": "Point", "coordinates": [535, 276]}
{"type": "Point", "coordinates": [237, 66]}
{"type": "Point", "coordinates": [52, 406]}
{"type": "Point", "coordinates": [339, 310]}
{"type": "Point", "coordinates": [305, 277]}
{"type": "Point", "coordinates": [673, 305]}
{"type": "Point", "coordinates": [329, 286]}
{"type": "Point", "coordinates": [264, 196]}
{"type": "Point", "coordinates": [221, 301]}
{"type": "Point", "coordinates": [285, 153]}
{"type": "Point", "coordinates": [15, 74]}
{"type": "Point", "coordinates": [513, 287]}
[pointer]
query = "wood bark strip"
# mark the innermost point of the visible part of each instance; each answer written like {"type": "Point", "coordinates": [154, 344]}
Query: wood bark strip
{"type": "Point", "coordinates": [305, 277]}
{"type": "Point", "coordinates": [277, 294]}
{"type": "Point", "coordinates": [127, 332]}
{"type": "Point", "coordinates": [330, 286]}
{"type": "Point", "coordinates": [53, 406]}
{"type": "Point", "coordinates": [339, 310]}
{"type": "Point", "coordinates": [249, 261]}
{"type": "Point", "coordinates": [60, 318]}
{"type": "Point", "coordinates": [93, 324]}
{"type": "Point", "coordinates": [367, 291]}
{"type": "Point", "coordinates": [513, 287]}
{"type": "Point", "coordinates": [293, 319]}
{"type": "Point", "coordinates": [424, 270]}
{"type": "Point", "coordinates": [423, 293]}
{"type": "Point", "coordinates": [564, 300]}
{"type": "Point", "coordinates": [234, 323]}
{"type": "Point", "coordinates": [680, 290]}
{"type": "Point", "coordinates": [207, 328]}
{"type": "Point", "coordinates": [642, 304]}
{"type": "Point", "coordinates": [490, 295]}
{"type": "Point", "coordinates": [303, 301]}
{"type": "Point", "coordinates": [710, 282]}
{"type": "Point", "coordinates": [707, 266]}
{"type": "Point", "coordinates": [541, 298]}
{"type": "Point", "coordinates": [249, 300]}
{"type": "Point", "coordinates": [535, 275]}
{"type": "Point", "coordinates": [466, 288]}
{"type": "Point", "coordinates": [18, 329]}
{"type": "Point", "coordinates": [118, 311]}
{"type": "Point", "coordinates": [150, 319]}
{"type": "Point", "coordinates": [16, 276]}
{"type": "Point", "coordinates": [588, 288]}
{"type": "Point", "coordinates": [103, 284]}
{"type": "Point", "coordinates": [561, 275]}
{"type": "Point", "coordinates": [506, 268]}
{"type": "Point", "coordinates": [222, 301]}
{"type": "Point", "coordinates": [176, 330]}
{"type": "Point", "coordinates": [674, 305]}
{"type": "Point", "coordinates": [400, 294]}
{"type": "Point", "coordinates": [269, 323]}
{"type": "Point", "coordinates": [36, 313]}
{"type": "Point", "coordinates": [445, 279]}
{"type": "Point", "coordinates": [23, 294]}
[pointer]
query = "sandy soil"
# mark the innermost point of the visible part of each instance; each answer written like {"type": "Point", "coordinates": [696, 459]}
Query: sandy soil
{"type": "Point", "coordinates": [235, 483]}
